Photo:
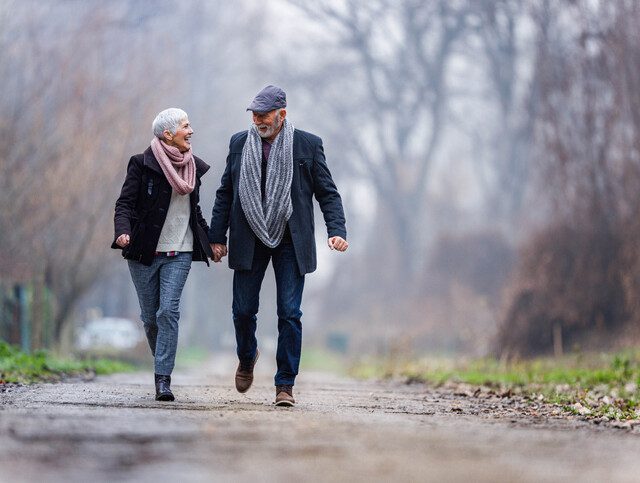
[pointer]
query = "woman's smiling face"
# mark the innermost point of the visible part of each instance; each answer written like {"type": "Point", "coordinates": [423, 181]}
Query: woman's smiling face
{"type": "Point", "coordinates": [182, 138]}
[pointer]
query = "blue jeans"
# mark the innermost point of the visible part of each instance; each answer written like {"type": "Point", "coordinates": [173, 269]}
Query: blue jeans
{"type": "Point", "coordinates": [289, 286]}
{"type": "Point", "coordinates": [159, 287]}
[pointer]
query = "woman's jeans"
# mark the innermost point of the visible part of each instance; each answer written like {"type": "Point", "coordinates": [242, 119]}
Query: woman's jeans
{"type": "Point", "coordinates": [159, 287]}
{"type": "Point", "coordinates": [289, 286]}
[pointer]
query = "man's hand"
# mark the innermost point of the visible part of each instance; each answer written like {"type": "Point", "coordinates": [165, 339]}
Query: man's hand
{"type": "Point", "coordinates": [123, 240]}
{"type": "Point", "coordinates": [338, 243]}
{"type": "Point", "coordinates": [219, 251]}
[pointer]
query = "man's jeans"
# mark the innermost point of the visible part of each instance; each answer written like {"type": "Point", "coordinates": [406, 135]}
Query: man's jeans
{"type": "Point", "coordinates": [289, 286]}
{"type": "Point", "coordinates": [159, 288]}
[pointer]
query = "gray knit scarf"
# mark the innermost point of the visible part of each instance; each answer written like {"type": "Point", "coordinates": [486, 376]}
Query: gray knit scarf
{"type": "Point", "coordinates": [267, 219]}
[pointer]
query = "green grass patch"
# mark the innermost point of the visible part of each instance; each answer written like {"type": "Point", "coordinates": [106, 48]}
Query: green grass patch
{"type": "Point", "coordinates": [592, 385]}
{"type": "Point", "coordinates": [40, 366]}
{"type": "Point", "coordinates": [190, 357]}
{"type": "Point", "coordinates": [318, 359]}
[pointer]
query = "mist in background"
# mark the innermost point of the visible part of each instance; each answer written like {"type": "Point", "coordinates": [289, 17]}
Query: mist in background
{"type": "Point", "coordinates": [487, 153]}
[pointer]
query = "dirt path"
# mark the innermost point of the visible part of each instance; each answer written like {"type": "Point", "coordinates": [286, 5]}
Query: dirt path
{"type": "Point", "coordinates": [111, 429]}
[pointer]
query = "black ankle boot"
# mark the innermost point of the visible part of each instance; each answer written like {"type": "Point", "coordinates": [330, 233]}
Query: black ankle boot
{"type": "Point", "coordinates": [163, 388]}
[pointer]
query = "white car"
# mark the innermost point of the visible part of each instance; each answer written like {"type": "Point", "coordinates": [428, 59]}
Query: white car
{"type": "Point", "coordinates": [109, 332]}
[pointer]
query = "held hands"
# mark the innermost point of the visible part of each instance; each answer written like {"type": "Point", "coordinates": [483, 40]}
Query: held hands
{"type": "Point", "coordinates": [123, 240]}
{"type": "Point", "coordinates": [338, 243]}
{"type": "Point", "coordinates": [219, 251]}
{"type": "Point", "coordinates": [335, 243]}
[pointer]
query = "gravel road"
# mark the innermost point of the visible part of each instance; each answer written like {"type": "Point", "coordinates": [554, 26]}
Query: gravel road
{"type": "Point", "coordinates": [111, 429]}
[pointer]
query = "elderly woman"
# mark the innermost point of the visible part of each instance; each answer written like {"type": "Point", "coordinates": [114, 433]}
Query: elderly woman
{"type": "Point", "coordinates": [160, 229]}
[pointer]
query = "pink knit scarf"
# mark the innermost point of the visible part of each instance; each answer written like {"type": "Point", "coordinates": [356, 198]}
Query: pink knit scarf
{"type": "Point", "coordinates": [179, 168]}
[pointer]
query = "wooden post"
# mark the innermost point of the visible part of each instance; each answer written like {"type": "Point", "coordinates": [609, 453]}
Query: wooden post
{"type": "Point", "coordinates": [38, 312]}
{"type": "Point", "coordinates": [557, 340]}
{"type": "Point", "coordinates": [25, 323]}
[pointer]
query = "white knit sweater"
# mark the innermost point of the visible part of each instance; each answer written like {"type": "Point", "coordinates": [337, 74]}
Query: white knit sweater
{"type": "Point", "coordinates": [176, 234]}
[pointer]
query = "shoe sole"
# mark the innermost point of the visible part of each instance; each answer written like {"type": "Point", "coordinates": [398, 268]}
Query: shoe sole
{"type": "Point", "coordinates": [165, 397]}
{"type": "Point", "coordinates": [285, 404]}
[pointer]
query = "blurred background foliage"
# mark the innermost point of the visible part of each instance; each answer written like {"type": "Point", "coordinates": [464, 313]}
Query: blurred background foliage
{"type": "Point", "coordinates": [487, 151]}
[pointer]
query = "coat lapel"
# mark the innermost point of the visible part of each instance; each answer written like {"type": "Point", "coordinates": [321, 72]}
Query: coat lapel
{"type": "Point", "coordinates": [295, 180]}
{"type": "Point", "coordinates": [151, 162]}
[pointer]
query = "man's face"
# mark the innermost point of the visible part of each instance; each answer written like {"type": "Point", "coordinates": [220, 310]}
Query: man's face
{"type": "Point", "coordinates": [269, 123]}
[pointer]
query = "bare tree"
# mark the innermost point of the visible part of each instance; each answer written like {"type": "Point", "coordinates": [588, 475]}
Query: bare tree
{"type": "Point", "coordinates": [578, 283]}
{"type": "Point", "coordinates": [82, 82]}
{"type": "Point", "coordinates": [507, 50]}
{"type": "Point", "coordinates": [59, 176]}
{"type": "Point", "coordinates": [388, 106]}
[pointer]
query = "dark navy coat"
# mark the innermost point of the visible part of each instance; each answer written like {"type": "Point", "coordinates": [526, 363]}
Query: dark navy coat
{"type": "Point", "coordinates": [311, 177]}
{"type": "Point", "coordinates": [142, 208]}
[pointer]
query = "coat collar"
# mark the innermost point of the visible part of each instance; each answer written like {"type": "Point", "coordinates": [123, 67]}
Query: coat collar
{"type": "Point", "coordinates": [238, 140]}
{"type": "Point", "coordinates": [151, 162]}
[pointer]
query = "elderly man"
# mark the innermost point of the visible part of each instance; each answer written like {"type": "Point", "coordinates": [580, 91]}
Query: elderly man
{"type": "Point", "coordinates": [265, 199]}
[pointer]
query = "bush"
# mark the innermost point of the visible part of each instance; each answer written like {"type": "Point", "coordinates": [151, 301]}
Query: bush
{"type": "Point", "coordinates": [17, 366]}
{"type": "Point", "coordinates": [570, 285]}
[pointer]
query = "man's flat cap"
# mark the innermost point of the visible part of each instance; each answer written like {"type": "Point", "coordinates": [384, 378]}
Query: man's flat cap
{"type": "Point", "coordinates": [268, 99]}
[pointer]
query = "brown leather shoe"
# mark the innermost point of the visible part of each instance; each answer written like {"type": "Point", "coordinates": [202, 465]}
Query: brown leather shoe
{"type": "Point", "coordinates": [244, 374]}
{"type": "Point", "coordinates": [284, 396]}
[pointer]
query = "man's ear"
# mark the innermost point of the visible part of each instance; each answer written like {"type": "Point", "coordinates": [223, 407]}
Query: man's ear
{"type": "Point", "coordinates": [283, 114]}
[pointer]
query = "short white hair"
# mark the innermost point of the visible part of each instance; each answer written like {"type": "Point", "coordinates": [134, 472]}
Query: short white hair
{"type": "Point", "coordinates": [168, 120]}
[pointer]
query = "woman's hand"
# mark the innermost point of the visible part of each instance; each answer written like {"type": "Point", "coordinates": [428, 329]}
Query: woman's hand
{"type": "Point", "coordinates": [219, 251]}
{"type": "Point", "coordinates": [123, 240]}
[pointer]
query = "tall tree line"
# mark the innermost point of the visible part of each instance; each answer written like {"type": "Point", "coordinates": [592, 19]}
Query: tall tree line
{"type": "Point", "coordinates": [82, 83]}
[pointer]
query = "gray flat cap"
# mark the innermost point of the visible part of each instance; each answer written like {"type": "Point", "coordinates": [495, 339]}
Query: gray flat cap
{"type": "Point", "coordinates": [268, 99]}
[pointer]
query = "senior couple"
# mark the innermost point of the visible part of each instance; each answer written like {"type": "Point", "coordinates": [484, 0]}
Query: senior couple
{"type": "Point", "coordinates": [265, 201]}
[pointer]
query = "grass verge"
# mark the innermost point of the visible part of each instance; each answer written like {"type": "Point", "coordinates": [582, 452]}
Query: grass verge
{"type": "Point", "coordinates": [315, 359]}
{"type": "Point", "coordinates": [596, 386]}
{"type": "Point", "coordinates": [190, 357]}
{"type": "Point", "coordinates": [19, 367]}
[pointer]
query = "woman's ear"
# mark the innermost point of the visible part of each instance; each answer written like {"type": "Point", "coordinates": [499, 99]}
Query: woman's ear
{"type": "Point", "coordinates": [166, 134]}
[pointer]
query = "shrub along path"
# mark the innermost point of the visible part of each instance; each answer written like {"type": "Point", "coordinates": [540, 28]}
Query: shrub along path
{"type": "Point", "coordinates": [603, 388]}
{"type": "Point", "coordinates": [16, 367]}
